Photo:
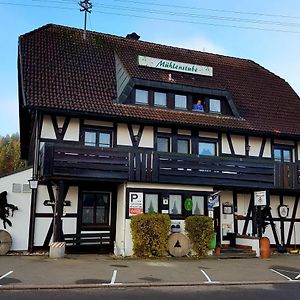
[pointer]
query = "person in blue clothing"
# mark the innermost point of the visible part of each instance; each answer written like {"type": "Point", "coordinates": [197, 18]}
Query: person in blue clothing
{"type": "Point", "coordinates": [198, 106]}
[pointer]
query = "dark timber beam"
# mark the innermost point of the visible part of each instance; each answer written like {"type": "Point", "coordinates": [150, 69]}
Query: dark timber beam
{"type": "Point", "coordinates": [58, 212]}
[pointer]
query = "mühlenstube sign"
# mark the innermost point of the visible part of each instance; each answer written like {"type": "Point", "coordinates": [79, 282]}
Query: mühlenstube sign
{"type": "Point", "coordinates": [170, 65]}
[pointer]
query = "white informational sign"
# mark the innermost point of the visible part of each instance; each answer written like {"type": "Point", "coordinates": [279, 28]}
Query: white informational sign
{"type": "Point", "coordinates": [260, 198]}
{"type": "Point", "coordinates": [136, 201]}
{"type": "Point", "coordinates": [176, 66]}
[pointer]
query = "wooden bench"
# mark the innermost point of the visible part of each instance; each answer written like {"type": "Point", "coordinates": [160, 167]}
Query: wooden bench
{"type": "Point", "coordinates": [86, 239]}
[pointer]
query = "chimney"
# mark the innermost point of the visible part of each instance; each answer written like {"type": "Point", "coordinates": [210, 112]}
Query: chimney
{"type": "Point", "coordinates": [132, 36]}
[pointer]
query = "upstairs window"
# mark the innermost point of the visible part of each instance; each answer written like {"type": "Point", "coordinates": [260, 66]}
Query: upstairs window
{"type": "Point", "coordinates": [90, 138]}
{"type": "Point", "coordinates": [215, 105]}
{"type": "Point", "coordinates": [180, 101]}
{"type": "Point", "coordinates": [283, 154]}
{"type": "Point", "coordinates": [207, 149]}
{"type": "Point", "coordinates": [98, 138]}
{"type": "Point", "coordinates": [160, 99]}
{"type": "Point", "coordinates": [141, 97]}
{"type": "Point", "coordinates": [163, 144]}
{"type": "Point", "coordinates": [183, 146]}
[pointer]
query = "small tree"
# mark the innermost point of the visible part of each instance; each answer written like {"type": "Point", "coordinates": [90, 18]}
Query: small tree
{"type": "Point", "coordinates": [150, 234]}
{"type": "Point", "coordinates": [199, 230]}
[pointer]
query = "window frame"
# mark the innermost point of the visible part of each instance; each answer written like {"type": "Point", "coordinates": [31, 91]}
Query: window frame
{"type": "Point", "coordinates": [186, 102]}
{"type": "Point", "coordinates": [188, 139]}
{"type": "Point", "coordinates": [181, 214]}
{"type": "Point", "coordinates": [166, 99]}
{"type": "Point", "coordinates": [164, 136]}
{"type": "Point", "coordinates": [210, 105]}
{"type": "Point", "coordinates": [98, 131]}
{"type": "Point", "coordinates": [158, 204]}
{"type": "Point", "coordinates": [283, 148]}
{"type": "Point", "coordinates": [95, 225]}
{"type": "Point", "coordinates": [135, 96]}
{"type": "Point", "coordinates": [208, 141]}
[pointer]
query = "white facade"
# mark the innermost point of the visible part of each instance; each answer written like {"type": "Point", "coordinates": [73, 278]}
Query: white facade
{"type": "Point", "coordinates": [19, 195]}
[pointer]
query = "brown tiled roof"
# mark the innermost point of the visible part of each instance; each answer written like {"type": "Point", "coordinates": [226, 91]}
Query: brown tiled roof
{"type": "Point", "coordinates": [61, 71]}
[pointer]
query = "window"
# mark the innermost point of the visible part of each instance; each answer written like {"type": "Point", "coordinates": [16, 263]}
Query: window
{"type": "Point", "coordinates": [95, 209]}
{"type": "Point", "coordinates": [180, 101]}
{"type": "Point", "coordinates": [175, 204]}
{"type": "Point", "coordinates": [283, 154]}
{"type": "Point", "coordinates": [151, 203]}
{"type": "Point", "coordinates": [160, 99]}
{"type": "Point", "coordinates": [207, 148]}
{"type": "Point", "coordinates": [90, 138]}
{"type": "Point", "coordinates": [198, 205]}
{"type": "Point", "coordinates": [214, 105]}
{"type": "Point", "coordinates": [100, 138]}
{"type": "Point", "coordinates": [163, 144]}
{"type": "Point", "coordinates": [141, 97]}
{"type": "Point", "coordinates": [183, 146]}
{"type": "Point", "coordinates": [105, 139]}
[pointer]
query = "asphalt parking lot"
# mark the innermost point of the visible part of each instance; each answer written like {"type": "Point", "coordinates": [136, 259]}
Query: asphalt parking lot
{"type": "Point", "coordinates": [89, 270]}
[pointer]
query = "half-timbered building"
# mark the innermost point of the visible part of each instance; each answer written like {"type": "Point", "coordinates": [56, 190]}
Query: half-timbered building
{"type": "Point", "coordinates": [116, 126]}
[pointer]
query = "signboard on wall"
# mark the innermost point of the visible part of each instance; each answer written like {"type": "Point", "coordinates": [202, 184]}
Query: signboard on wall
{"type": "Point", "coordinates": [136, 201]}
{"type": "Point", "coordinates": [260, 198]}
{"type": "Point", "coordinates": [176, 66]}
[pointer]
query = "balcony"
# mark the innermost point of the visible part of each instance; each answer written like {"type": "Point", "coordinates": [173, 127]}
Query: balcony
{"type": "Point", "coordinates": [80, 163]}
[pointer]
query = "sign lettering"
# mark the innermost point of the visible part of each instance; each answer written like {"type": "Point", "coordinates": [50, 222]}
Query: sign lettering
{"type": "Point", "coordinates": [164, 64]}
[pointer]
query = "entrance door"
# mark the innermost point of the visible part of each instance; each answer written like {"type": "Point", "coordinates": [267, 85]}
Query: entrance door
{"type": "Point", "coordinates": [95, 210]}
{"type": "Point", "coordinates": [95, 226]}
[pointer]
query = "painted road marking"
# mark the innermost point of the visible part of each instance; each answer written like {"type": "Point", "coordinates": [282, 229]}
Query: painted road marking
{"type": "Point", "coordinates": [281, 274]}
{"type": "Point", "coordinates": [5, 275]}
{"type": "Point", "coordinates": [114, 276]}
{"type": "Point", "coordinates": [297, 277]}
{"type": "Point", "coordinates": [207, 277]}
{"type": "Point", "coordinates": [287, 271]}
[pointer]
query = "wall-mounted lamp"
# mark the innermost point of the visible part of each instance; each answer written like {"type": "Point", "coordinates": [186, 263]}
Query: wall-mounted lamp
{"type": "Point", "coordinates": [247, 148]}
{"type": "Point", "coordinates": [33, 183]}
{"type": "Point", "coordinates": [136, 137]}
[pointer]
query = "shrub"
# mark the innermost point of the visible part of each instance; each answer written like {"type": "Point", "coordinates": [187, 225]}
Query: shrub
{"type": "Point", "coordinates": [150, 234]}
{"type": "Point", "coordinates": [199, 230]}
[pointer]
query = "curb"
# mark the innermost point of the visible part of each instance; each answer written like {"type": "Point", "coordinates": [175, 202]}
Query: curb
{"type": "Point", "coordinates": [143, 285]}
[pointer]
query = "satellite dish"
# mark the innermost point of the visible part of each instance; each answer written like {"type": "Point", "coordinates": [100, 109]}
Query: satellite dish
{"type": "Point", "coordinates": [5, 242]}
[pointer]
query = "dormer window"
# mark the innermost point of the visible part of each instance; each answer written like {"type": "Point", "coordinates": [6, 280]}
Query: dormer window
{"type": "Point", "coordinates": [180, 101]}
{"type": "Point", "coordinates": [215, 105]}
{"type": "Point", "coordinates": [160, 99]}
{"type": "Point", "coordinates": [141, 97]}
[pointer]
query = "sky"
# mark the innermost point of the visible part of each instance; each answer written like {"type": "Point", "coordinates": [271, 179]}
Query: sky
{"type": "Point", "coordinates": [266, 31]}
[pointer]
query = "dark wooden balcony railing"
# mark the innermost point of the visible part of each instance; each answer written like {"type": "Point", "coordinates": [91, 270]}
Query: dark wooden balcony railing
{"type": "Point", "coordinates": [85, 163]}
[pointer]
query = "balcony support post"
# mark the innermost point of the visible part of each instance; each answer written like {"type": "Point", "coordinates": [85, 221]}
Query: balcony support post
{"type": "Point", "coordinates": [58, 212]}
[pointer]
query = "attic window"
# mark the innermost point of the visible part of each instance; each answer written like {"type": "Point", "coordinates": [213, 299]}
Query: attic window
{"type": "Point", "coordinates": [160, 99]}
{"type": "Point", "coordinates": [141, 97]}
{"type": "Point", "coordinates": [180, 101]}
{"type": "Point", "coordinates": [214, 105]}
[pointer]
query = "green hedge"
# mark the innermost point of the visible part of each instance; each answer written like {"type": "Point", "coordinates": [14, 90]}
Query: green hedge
{"type": "Point", "coordinates": [150, 234]}
{"type": "Point", "coordinates": [199, 229]}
